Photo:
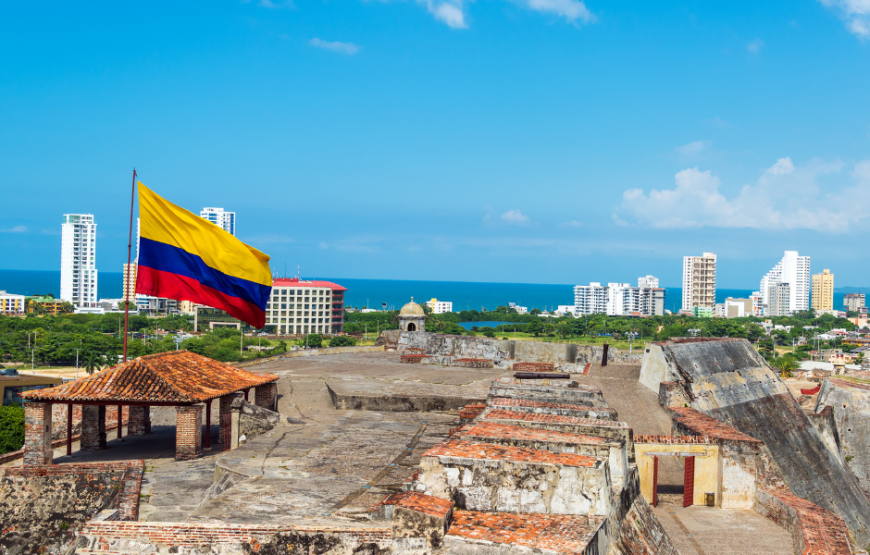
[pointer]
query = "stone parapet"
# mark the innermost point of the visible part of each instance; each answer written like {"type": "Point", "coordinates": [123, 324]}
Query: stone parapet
{"type": "Point", "coordinates": [500, 478]}
{"type": "Point", "coordinates": [603, 428]}
{"type": "Point", "coordinates": [815, 531]}
{"type": "Point", "coordinates": [544, 407]}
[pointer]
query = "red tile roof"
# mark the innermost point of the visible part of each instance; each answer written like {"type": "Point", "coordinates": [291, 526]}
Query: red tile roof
{"type": "Point", "coordinates": [704, 425]}
{"type": "Point", "coordinates": [504, 431]}
{"type": "Point", "coordinates": [563, 534]}
{"type": "Point", "coordinates": [178, 377]}
{"type": "Point", "coordinates": [428, 504]}
{"type": "Point", "coordinates": [489, 451]}
{"type": "Point", "coordinates": [293, 282]}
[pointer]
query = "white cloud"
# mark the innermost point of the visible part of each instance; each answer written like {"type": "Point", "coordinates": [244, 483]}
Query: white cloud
{"type": "Point", "coordinates": [784, 197]}
{"type": "Point", "coordinates": [856, 14]}
{"type": "Point", "coordinates": [16, 229]}
{"type": "Point", "coordinates": [571, 224]}
{"type": "Point", "coordinates": [348, 48]}
{"type": "Point", "coordinates": [515, 217]}
{"type": "Point", "coordinates": [755, 45]}
{"type": "Point", "coordinates": [572, 10]}
{"type": "Point", "coordinates": [693, 148]}
{"type": "Point", "coordinates": [447, 11]}
{"type": "Point", "coordinates": [453, 13]}
{"type": "Point", "coordinates": [618, 221]}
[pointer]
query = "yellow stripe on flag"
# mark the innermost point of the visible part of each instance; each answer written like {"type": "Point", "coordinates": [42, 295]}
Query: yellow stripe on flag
{"type": "Point", "coordinates": [168, 223]}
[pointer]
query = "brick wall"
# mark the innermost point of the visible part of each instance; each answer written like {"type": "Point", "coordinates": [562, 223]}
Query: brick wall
{"type": "Point", "coordinates": [815, 531]}
{"type": "Point", "coordinates": [265, 395]}
{"type": "Point", "coordinates": [472, 362]}
{"type": "Point", "coordinates": [533, 367]}
{"type": "Point", "coordinates": [188, 432]}
{"type": "Point", "coordinates": [413, 358]}
{"type": "Point", "coordinates": [139, 421]}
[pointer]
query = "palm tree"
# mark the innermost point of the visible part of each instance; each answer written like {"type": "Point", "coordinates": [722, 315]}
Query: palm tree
{"type": "Point", "coordinates": [92, 362]}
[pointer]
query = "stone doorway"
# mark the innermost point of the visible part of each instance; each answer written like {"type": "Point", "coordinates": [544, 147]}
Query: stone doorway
{"type": "Point", "coordinates": [412, 327]}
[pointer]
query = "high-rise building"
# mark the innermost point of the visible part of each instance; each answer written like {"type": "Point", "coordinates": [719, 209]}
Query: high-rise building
{"type": "Point", "coordinates": [823, 291]}
{"type": "Point", "coordinates": [129, 286]}
{"type": "Point", "coordinates": [590, 299]}
{"type": "Point", "coordinates": [78, 270]}
{"type": "Point", "coordinates": [779, 300]}
{"type": "Point", "coordinates": [650, 282]}
{"type": "Point", "coordinates": [699, 281]}
{"type": "Point", "coordinates": [853, 302]}
{"type": "Point", "coordinates": [221, 218]}
{"type": "Point", "coordinates": [793, 270]}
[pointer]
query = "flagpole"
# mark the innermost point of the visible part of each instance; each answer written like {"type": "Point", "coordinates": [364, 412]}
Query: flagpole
{"type": "Point", "coordinates": [129, 269]}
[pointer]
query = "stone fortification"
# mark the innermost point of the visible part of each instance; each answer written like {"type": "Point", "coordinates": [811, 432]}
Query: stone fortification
{"type": "Point", "coordinates": [729, 381]}
{"type": "Point", "coordinates": [846, 401]}
{"type": "Point", "coordinates": [43, 507]}
{"type": "Point", "coordinates": [504, 353]}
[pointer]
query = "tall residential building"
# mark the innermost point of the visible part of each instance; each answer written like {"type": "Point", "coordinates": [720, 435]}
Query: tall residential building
{"type": "Point", "coordinates": [221, 218]}
{"type": "Point", "coordinates": [129, 287]}
{"type": "Point", "coordinates": [699, 281]}
{"type": "Point", "coordinates": [78, 270]}
{"type": "Point", "coordinates": [590, 299]}
{"type": "Point", "coordinates": [853, 302]}
{"type": "Point", "coordinates": [650, 282]}
{"type": "Point", "coordinates": [779, 300]}
{"type": "Point", "coordinates": [823, 291]}
{"type": "Point", "coordinates": [793, 270]}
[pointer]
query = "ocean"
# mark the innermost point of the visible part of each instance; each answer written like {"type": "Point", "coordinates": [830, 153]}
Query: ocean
{"type": "Point", "coordinates": [374, 292]}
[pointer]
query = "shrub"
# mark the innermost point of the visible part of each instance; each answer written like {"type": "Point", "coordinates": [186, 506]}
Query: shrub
{"type": "Point", "coordinates": [315, 340]}
{"type": "Point", "coordinates": [342, 341]}
{"type": "Point", "coordinates": [11, 428]}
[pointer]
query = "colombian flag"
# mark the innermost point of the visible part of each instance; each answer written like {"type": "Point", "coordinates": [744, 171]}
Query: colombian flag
{"type": "Point", "coordinates": [188, 258]}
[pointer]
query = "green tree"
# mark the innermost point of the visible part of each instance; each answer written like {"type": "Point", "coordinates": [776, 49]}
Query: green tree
{"type": "Point", "coordinates": [11, 428]}
{"type": "Point", "coordinates": [534, 327]}
{"type": "Point", "coordinates": [342, 341]}
{"type": "Point", "coordinates": [92, 362]}
{"type": "Point", "coordinates": [313, 340]}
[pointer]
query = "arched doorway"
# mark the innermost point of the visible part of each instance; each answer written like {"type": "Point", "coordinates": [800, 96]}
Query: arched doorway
{"type": "Point", "coordinates": [412, 327]}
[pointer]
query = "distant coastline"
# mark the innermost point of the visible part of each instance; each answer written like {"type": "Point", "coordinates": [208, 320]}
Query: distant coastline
{"type": "Point", "coordinates": [464, 295]}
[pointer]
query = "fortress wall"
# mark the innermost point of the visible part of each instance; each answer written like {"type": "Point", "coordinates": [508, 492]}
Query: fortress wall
{"type": "Point", "coordinates": [728, 380]}
{"type": "Point", "coordinates": [849, 403]}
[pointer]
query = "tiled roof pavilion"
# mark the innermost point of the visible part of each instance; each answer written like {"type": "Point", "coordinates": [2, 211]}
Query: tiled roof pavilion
{"type": "Point", "coordinates": [176, 378]}
{"type": "Point", "coordinates": [172, 378]}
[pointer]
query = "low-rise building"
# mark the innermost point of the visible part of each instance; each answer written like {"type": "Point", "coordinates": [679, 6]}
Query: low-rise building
{"type": "Point", "coordinates": [702, 312]}
{"type": "Point", "coordinates": [46, 304]}
{"type": "Point", "coordinates": [11, 304]}
{"type": "Point", "coordinates": [13, 384]}
{"type": "Point", "coordinates": [517, 308]}
{"type": "Point", "coordinates": [739, 308]}
{"type": "Point", "coordinates": [439, 307]}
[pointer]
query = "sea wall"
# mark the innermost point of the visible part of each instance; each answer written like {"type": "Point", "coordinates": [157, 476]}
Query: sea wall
{"type": "Point", "coordinates": [728, 380]}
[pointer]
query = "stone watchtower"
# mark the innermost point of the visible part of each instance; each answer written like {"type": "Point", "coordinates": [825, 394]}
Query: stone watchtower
{"type": "Point", "coordinates": [412, 317]}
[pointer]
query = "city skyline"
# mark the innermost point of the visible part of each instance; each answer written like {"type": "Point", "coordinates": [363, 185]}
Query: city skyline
{"type": "Point", "coordinates": [379, 137]}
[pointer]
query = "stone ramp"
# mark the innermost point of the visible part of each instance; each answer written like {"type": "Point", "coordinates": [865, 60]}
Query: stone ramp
{"type": "Point", "coordinates": [638, 407]}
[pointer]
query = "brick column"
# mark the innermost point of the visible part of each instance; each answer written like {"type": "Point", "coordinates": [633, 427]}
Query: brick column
{"type": "Point", "coordinates": [265, 395]}
{"type": "Point", "coordinates": [93, 427]}
{"type": "Point", "coordinates": [37, 434]}
{"type": "Point", "coordinates": [224, 408]}
{"type": "Point", "coordinates": [188, 432]}
{"type": "Point", "coordinates": [139, 421]}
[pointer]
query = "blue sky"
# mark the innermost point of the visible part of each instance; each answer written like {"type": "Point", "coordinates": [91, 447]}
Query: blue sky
{"type": "Point", "coordinates": [548, 141]}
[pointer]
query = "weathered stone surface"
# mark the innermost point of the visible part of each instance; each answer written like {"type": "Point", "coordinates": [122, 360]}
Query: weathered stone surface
{"type": "Point", "coordinates": [42, 508]}
{"type": "Point", "coordinates": [846, 404]}
{"type": "Point", "coordinates": [642, 534]}
{"type": "Point", "coordinates": [255, 420]}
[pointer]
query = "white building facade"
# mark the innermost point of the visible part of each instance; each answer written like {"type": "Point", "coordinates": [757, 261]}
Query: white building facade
{"type": "Point", "coordinates": [620, 299]}
{"type": "Point", "coordinates": [78, 269]}
{"type": "Point", "coordinates": [11, 303]}
{"type": "Point", "coordinates": [793, 270]}
{"type": "Point", "coordinates": [440, 307]}
{"type": "Point", "coordinates": [699, 281]}
{"type": "Point", "coordinates": [221, 218]}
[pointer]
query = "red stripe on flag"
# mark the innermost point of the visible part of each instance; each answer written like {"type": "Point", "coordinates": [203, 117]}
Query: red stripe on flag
{"type": "Point", "coordinates": [173, 286]}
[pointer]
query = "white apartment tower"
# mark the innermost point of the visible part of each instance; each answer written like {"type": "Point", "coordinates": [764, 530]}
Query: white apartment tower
{"type": "Point", "coordinates": [221, 218]}
{"type": "Point", "coordinates": [620, 299]}
{"type": "Point", "coordinates": [793, 270]}
{"type": "Point", "coordinates": [78, 270]}
{"type": "Point", "coordinates": [699, 281]}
